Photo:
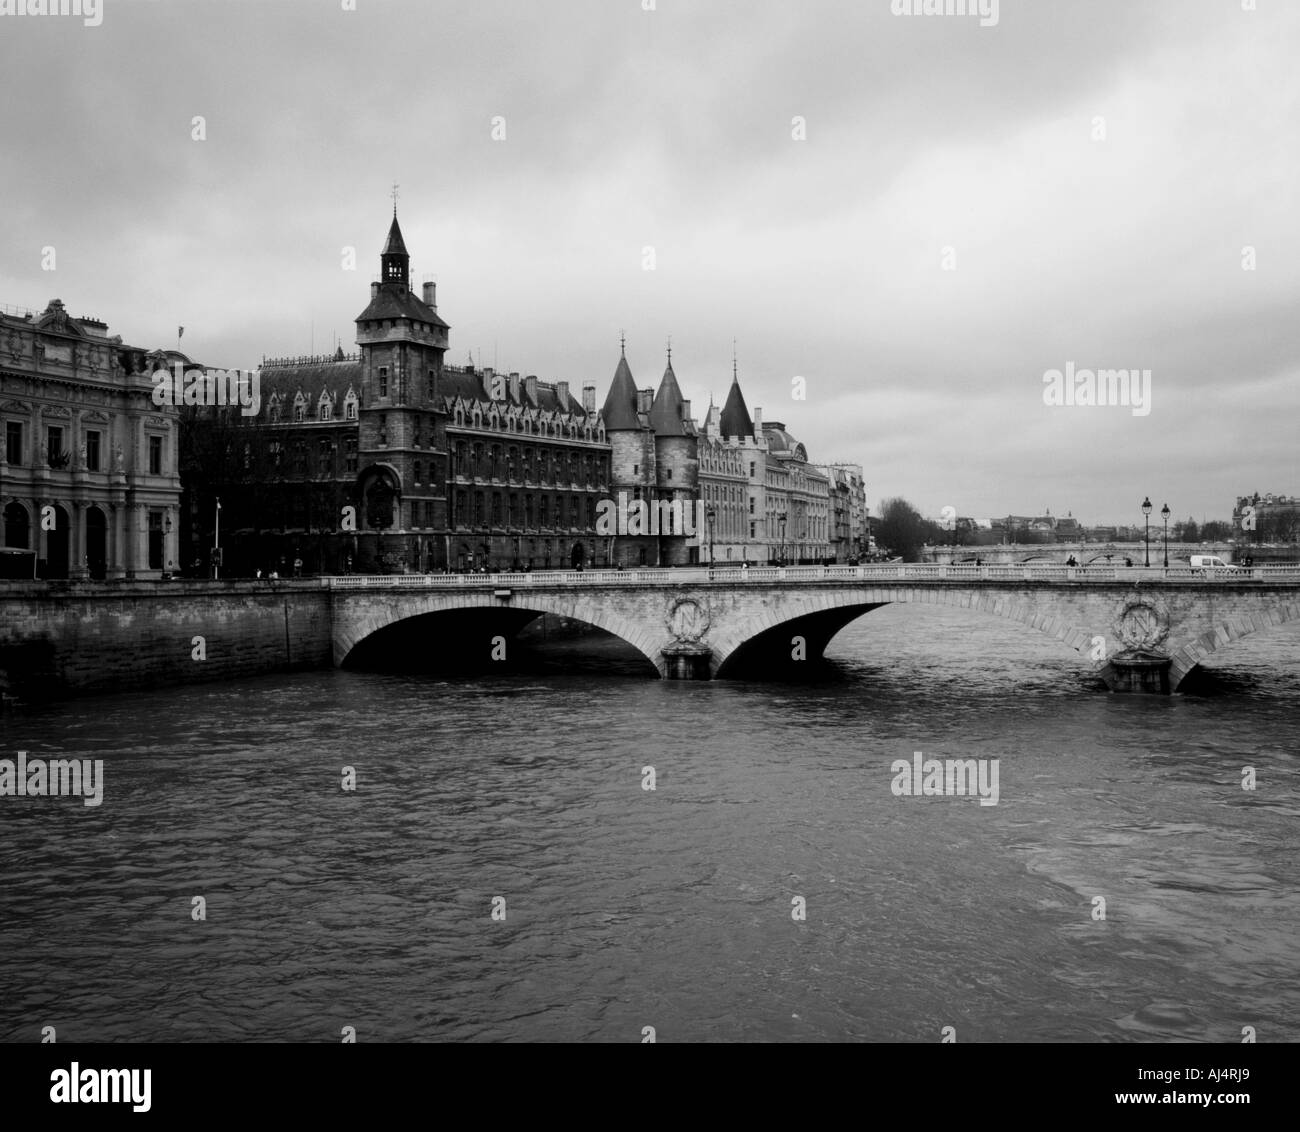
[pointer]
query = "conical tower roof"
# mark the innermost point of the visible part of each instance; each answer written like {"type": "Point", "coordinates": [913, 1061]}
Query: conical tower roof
{"type": "Point", "coordinates": [736, 420]}
{"type": "Point", "coordinates": [396, 245]}
{"type": "Point", "coordinates": [666, 412]}
{"type": "Point", "coordinates": [620, 402]}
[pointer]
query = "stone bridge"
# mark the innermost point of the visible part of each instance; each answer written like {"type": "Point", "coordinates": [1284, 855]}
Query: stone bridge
{"type": "Point", "coordinates": [1138, 629]}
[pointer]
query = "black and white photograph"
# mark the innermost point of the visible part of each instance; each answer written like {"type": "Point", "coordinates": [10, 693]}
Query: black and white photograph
{"type": "Point", "coordinates": [650, 521]}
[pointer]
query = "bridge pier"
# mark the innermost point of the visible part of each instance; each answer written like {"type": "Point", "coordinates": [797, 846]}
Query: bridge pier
{"type": "Point", "coordinates": [1138, 671]}
{"type": "Point", "coordinates": [687, 662]}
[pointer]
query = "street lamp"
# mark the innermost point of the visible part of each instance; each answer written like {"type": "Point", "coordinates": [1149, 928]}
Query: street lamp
{"type": "Point", "coordinates": [711, 513]}
{"type": "Point", "coordinates": [781, 517]}
{"type": "Point", "coordinates": [1164, 514]}
{"type": "Point", "coordinates": [1146, 538]}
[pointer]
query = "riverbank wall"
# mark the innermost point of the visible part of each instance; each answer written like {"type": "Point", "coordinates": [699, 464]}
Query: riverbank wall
{"type": "Point", "coordinates": [64, 639]}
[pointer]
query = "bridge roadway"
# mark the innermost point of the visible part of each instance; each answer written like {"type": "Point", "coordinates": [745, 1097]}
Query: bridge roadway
{"type": "Point", "coordinates": [1139, 628]}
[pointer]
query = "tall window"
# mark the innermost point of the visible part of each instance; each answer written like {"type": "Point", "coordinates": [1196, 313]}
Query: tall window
{"type": "Point", "coordinates": [350, 449]}
{"type": "Point", "coordinates": [350, 410]}
{"type": "Point", "coordinates": [155, 459]}
{"type": "Point", "coordinates": [383, 381]}
{"type": "Point", "coordinates": [54, 445]}
{"type": "Point", "coordinates": [14, 442]}
{"type": "Point", "coordinates": [430, 384]}
{"type": "Point", "coordinates": [416, 467]}
{"type": "Point", "coordinates": [155, 540]}
{"type": "Point", "coordinates": [92, 450]}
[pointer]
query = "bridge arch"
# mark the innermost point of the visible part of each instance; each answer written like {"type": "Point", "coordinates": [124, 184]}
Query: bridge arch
{"type": "Point", "coordinates": [362, 617]}
{"type": "Point", "coordinates": [819, 617]}
{"type": "Point", "coordinates": [1226, 632]}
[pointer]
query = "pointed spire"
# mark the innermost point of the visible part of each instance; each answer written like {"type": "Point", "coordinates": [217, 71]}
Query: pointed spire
{"type": "Point", "coordinates": [394, 263]}
{"type": "Point", "coordinates": [620, 402]}
{"type": "Point", "coordinates": [395, 245]}
{"type": "Point", "coordinates": [666, 412]}
{"type": "Point", "coordinates": [736, 420]}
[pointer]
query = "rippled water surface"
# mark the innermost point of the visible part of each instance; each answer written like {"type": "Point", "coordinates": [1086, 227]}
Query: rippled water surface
{"type": "Point", "coordinates": [627, 908]}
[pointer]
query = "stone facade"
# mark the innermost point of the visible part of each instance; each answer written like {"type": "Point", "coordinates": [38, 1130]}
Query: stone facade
{"type": "Point", "coordinates": [89, 486]}
{"type": "Point", "coordinates": [653, 460]}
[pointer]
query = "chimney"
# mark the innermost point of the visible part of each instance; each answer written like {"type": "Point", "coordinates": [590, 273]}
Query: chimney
{"type": "Point", "coordinates": [758, 422]}
{"type": "Point", "coordinates": [645, 398]}
{"type": "Point", "coordinates": [431, 296]}
{"type": "Point", "coordinates": [686, 410]}
{"type": "Point", "coordinates": [374, 290]}
{"type": "Point", "coordinates": [589, 399]}
{"type": "Point", "coordinates": [562, 395]}
{"type": "Point", "coordinates": [514, 387]}
{"type": "Point", "coordinates": [530, 385]}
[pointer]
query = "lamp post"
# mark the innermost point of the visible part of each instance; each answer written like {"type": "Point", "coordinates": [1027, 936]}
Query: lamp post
{"type": "Point", "coordinates": [216, 540]}
{"type": "Point", "coordinates": [781, 517]}
{"type": "Point", "coordinates": [1146, 538]}
{"type": "Point", "coordinates": [1164, 514]}
{"type": "Point", "coordinates": [711, 513]}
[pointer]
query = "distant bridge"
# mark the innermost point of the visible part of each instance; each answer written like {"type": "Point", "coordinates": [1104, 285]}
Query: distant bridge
{"type": "Point", "coordinates": [1141, 629]}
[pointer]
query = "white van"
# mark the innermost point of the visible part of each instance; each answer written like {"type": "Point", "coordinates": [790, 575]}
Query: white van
{"type": "Point", "coordinates": [1210, 562]}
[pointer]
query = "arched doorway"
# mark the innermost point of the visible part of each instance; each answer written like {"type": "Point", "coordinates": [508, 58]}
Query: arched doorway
{"type": "Point", "coordinates": [97, 544]}
{"type": "Point", "coordinates": [577, 556]}
{"type": "Point", "coordinates": [18, 527]}
{"type": "Point", "coordinates": [56, 545]}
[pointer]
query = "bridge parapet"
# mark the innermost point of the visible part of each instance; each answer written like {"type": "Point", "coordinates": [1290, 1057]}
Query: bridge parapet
{"type": "Point", "coordinates": [912, 572]}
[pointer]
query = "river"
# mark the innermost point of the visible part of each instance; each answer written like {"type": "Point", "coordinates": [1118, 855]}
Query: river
{"type": "Point", "coordinates": [673, 908]}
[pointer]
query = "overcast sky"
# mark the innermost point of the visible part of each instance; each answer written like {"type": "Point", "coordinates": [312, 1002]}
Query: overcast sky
{"type": "Point", "coordinates": [673, 129]}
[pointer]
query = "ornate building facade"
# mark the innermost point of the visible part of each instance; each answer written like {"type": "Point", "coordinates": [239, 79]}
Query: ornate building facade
{"type": "Point", "coordinates": [89, 486]}
{"type": "Point", "coordinates": [784, 501]}
{"type": "Point", "coordinates": [390, 460]}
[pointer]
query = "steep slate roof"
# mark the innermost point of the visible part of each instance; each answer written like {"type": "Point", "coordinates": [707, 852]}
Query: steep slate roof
{"type": "Point", "coordinates": [620, 403]}
{"type": "Point", "coordinates": [666, 412]}
{"type": "Point", "coordinates": [736, 420]}
{"type": "Point", "coordinates": [311, 378]}
{"type": "Point", "coordinates": [455, 382]}
{"type": "Point", "coordinates": [397, 302]}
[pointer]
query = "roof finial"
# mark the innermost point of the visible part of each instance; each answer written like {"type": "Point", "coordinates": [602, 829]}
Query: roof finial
{"type": "Point", "coordinates": [734, 375]}
{"type": "Point", "coordinates": [394, 196]}
{"type": "Point", "coordinates": [622, 344]}
{"type": "Point", "coordinates": [670, 349]}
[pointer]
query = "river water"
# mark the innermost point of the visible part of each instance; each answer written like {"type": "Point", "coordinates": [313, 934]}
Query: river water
{"type": "Point", "coordinates": [626, 908]}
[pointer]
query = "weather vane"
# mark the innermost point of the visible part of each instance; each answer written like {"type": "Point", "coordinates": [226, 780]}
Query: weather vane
{"type": "Point", "coordinates": [394, 196]}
